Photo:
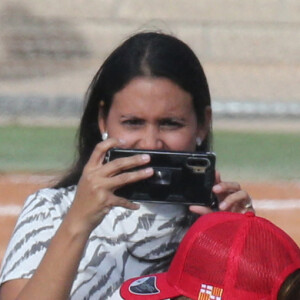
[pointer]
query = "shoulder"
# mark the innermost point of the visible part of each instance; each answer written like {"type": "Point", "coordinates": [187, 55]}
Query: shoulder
{"type": "Point", "coordinates": [46, 198]}
{"type": "Point", "coordinates": [44, 209]}
{"type": "Point", "coordinates": [54, 195]}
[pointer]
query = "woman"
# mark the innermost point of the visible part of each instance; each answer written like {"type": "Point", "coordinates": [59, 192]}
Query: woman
{"type": "Point", "coordinates": [150, 93]}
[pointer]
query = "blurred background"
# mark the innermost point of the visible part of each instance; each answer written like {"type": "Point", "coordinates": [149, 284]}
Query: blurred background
{"type": "Point", "coordinates": [50, 51]}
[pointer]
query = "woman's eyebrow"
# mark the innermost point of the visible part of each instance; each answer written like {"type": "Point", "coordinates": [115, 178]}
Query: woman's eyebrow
{"type": "Point", "coordinates": [179, 119]}
{"type": "Point", "coordinates": [131, 116]}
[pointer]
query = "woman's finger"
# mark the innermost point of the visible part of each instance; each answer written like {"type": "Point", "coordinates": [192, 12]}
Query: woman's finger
{"type": "Point", "coordinates": [200, 210]}
{"type": "Point", "coordinates": [237, 202]}
{"type": "Point", "coordinates": [113, 201]}
{"type": "Point", "coordinates": [122, 202]}
{"type": "Point", "coordinates": [122, 164]}
{"type": "Point", "coordinates": [98, 155]}
{"type": "Point", "coordinates": [115, 182]}
{"type": "Point", "coordinates": [226, 187]}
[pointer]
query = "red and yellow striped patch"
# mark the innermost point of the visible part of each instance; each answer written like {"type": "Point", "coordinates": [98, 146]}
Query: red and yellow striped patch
{"type": "Point", "coordinates": [209, 292]}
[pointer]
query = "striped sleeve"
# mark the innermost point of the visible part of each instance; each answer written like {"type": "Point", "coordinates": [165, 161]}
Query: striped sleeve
{"type": "Point", "coordinates": [31, 236]}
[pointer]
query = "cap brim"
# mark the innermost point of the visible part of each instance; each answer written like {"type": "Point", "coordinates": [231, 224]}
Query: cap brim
{"type": "Point", "coordinates": [152, 287]}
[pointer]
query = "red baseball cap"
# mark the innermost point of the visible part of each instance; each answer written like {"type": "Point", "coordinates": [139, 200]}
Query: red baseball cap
{"type": "Point", "coordinates": [223, 256]}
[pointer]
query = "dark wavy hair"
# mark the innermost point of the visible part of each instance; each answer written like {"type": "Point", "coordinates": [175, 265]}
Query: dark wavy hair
{"type": "Point", "coordinates": [151, 54]}
{"type": "Point", "coordinates": [290, 289]}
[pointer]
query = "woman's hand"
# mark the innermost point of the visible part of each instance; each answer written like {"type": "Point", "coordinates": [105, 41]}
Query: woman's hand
{"type": "Point", "coordinates": [230, 198]}
{"type": "Point", "coordinates": [95, 192]}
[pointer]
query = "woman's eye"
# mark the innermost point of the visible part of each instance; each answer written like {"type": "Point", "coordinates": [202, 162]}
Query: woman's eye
{"type": "Point", "coordinates": [133, 122]}
{"type": "Point", "coordinates": [171, 124]}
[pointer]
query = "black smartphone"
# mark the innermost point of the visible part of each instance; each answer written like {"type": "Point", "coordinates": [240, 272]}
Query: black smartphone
{"type": "Point", "coordinates": [179, 177]}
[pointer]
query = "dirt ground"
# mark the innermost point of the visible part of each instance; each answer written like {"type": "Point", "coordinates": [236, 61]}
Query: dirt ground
{"type": "Point", "coordinates": [277, 201]}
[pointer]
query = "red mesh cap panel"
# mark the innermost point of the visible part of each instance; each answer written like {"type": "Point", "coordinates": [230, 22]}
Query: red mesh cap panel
{"type": "Point", "coordinates": [263, 268]}
{"type": "Point", "coordinates": [207, 259]}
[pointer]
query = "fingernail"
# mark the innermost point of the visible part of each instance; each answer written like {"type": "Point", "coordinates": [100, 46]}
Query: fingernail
{"type": "Point", "coordinates": [135, 205]}
{"type": "Point", "coordinates": [223, 205]}
{"type": "Point", "coordinates": [217, 188]}
{"type": "Point", "coordinates": [148, 170]}
{"type": "Point", "coordinates": [145, 157]}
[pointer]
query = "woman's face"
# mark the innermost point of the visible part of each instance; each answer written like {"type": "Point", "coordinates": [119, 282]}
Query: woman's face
{"type": "Point", "coordinates": [155, 114]}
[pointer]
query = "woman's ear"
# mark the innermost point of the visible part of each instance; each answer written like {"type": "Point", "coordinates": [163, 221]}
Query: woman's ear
{"type": "Point", "coordinates": [204, 128]}
{"type": "Point", "coordinates": [208, 118]}
{"type": "Point", "coordinates": [101, 119]}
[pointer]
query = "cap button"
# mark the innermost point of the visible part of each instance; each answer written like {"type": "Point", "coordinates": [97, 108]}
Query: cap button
{"type": "Point", "coordinates": [250, 214]}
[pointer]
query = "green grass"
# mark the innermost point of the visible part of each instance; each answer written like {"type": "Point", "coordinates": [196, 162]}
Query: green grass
{"type": "Point", "coordinates": [36, 149]}
{"type": "Point", "coordinates": [258, 156]}
{"type": "Point", "coordinates": [240, 155]}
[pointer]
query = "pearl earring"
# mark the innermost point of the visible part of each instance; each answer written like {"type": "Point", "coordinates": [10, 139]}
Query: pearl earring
{"type": "Point", "coordinates": [104, 136]}
{"type": "Point", "coordinates": [198, 141]}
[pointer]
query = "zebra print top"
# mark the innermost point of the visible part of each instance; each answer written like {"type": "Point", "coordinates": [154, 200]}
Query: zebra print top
{"type": "Point", "coordinates": [126, 244]}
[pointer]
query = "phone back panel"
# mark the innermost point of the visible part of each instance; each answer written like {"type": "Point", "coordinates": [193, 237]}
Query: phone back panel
{"type": "Point", "coordinates": [179, 177]}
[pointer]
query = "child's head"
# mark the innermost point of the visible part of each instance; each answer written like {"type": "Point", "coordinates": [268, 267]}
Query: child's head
{"type": "Point", "coordinates": [227, 255]}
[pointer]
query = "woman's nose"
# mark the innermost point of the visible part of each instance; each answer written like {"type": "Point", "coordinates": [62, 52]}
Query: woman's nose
{"type": "Point", "coordinates": [151, 140]}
